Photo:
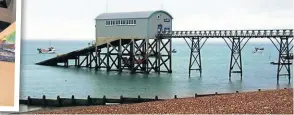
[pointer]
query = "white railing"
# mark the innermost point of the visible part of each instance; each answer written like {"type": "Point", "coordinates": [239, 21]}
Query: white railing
{"type": "Point", "coordinates": [230, 33]}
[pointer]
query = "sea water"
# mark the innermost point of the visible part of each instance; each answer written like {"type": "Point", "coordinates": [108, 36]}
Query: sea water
{"type": "Point", "coordinates": [258, 73]}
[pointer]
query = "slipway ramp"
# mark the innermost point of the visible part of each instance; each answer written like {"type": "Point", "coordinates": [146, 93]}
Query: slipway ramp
{"type": "Point", "coordinates": [101, 43]}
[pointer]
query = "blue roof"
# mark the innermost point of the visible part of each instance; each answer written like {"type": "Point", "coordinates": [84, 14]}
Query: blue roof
{"type": "Point", "coordinates": [129, 15]}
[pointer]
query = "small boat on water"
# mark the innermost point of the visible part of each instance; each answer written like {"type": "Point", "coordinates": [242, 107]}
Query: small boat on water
{"type": "Point", "coordinates": [257, 49]}
{"type": "Point", "coordinates": [174, 51]}
{"type": "Point", "coordinates": [50, 50]}
{"type": "Point", "coordinates": [288, 57]}
{"type": "Point", "coordinates": [282, 63]}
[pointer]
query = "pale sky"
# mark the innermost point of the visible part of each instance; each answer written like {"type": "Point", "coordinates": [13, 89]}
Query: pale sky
{"type": "Point", "coordinates": [74, 19]}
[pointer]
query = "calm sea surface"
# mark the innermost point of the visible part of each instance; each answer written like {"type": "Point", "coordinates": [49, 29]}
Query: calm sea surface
{"type": "Point", "coordinates": [52, 81]}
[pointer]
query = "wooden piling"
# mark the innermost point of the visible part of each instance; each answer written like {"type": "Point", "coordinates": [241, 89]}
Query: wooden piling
{"type": "Point", "coordinates": [104, 100]}
{"type": "Point", "coordinates": [59, 101]}
{"type": "Point", "coordinates": [29, 100]}
{"type": "Point", "coordinates": [44, 101]}
{"type": "Point", "coordinates": [73, 101]}
{"type": "Point", "coordinates": [121, 99]}
{"type": "Point", "coordinates": [89, 100]}
{"type": "Point", "coordinates": [156, 98]}
{"type": "Point", "coordinates": [139, 98]}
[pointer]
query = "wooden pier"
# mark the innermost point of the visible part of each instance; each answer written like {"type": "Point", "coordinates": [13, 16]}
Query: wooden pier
{"type": "Point", "coordinates": [154, 55]}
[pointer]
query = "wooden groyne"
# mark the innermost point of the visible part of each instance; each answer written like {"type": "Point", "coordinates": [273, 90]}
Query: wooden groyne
{"type": "Point", "coordinates": [67, 102]}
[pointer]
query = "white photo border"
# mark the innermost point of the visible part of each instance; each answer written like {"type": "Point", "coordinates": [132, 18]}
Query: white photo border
{"type": "Point", "coordinates": [15, 108]}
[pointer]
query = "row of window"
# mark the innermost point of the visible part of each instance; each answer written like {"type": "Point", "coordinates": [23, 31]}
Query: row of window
{"type": "Point", "coordinates": [121, 22]}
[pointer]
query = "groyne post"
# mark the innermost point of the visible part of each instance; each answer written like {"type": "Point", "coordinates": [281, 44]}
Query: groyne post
{"type": "Point", "coordinates": [29, 100]}
{"type": "Point", "coordinates": [44, 101]}
{"type": "Point", "coordinates": [121, 99]}
{"type": "Point", "coordinates": [104, 100]}
{"type": "Point", "coordinates": [73, 101]}
{"type": "Point", "coordinates": [59, 101]}
{"type": "Point", "coordinates": [89, 99]}
{"type": "Point", "coordinates": [139, 98]}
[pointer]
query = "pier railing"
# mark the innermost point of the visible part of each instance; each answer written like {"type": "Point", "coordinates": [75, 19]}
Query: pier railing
{"type": "Point", "coordinates": [229, 33]}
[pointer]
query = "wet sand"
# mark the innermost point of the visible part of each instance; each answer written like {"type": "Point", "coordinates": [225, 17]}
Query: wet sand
{"type": "Point", "coordinates": [6, 83]}
{"type": "Point", "coordinates": [263, 102]}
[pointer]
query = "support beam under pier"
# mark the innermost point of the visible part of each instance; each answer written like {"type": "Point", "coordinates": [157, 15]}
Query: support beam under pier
{"type": "Point", "coordinates": [236, 55]}
{"type": "Point", "coordinates": [284, 49]}
{"type": "Point", "coordinates": [195, 54]}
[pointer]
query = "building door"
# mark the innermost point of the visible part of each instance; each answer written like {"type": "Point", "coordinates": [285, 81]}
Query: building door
{"type": "Point", "coordinates": [159, 28]}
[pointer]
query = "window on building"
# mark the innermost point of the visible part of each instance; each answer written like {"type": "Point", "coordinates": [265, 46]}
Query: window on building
{"type": "Point", "coordinates": [158, 17]}
{"type": "Point", "coordinates": [132, 22]}
{"type": "Point", "coordinates": [120, 22]}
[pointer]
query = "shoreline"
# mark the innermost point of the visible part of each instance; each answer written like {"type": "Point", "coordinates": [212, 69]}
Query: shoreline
{"type": "Point", "coordinates": [268, 101]}
{"type": "Point", "coordinates": [7, 83]}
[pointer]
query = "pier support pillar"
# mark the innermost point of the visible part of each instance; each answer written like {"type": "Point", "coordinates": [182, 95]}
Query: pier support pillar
{"type": "Point", "coordinates": [119, 56]}
{"type": "Point", "coordinates": [78, 62]}
{"type": "Point", "coordinates": [236, 57]}
{"type": "Point", "coordinates": [164, 54]}
{"type": "Point", "coordinates": [195, 54]}
{"type": "Point", "coordinates": [97, 58]}
{"type": "Point", "coordinates": [284, 68]}
{"type": "Point", "coordinates": [139, 56]}
{"type": "Point", "coordinates": [107, 57]}
{"type": "Point", "coordinates": [152, 55]}
{"type": "Point", "coordinates": [113, 56]}
{"type": "Point", "coordinates": [132, 56]}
